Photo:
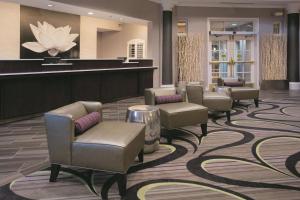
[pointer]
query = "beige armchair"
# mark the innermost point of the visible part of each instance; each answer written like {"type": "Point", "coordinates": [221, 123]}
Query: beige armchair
{"type": "Point", "coordinates": [119, 142]}
{"type": "Point", "coordinates": [179, 114]}
{"type": "Point", "coordinates": [240, 90]}
{"type": "Point", "coordinates": [214, 101]}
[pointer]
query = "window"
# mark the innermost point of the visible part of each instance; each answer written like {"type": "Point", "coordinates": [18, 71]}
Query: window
{"type": "Point", "coordinates": [242, 68]}
{"type": "Point", "coordinates": [277, 28]}
{"type": "Point", "coordinates": [182, 27]}
{"type": "Point", "coordinates": [232, 26]}
{"type": "Point", "coordinates": [136, 49]}
{"type": "Point", "coordinates": [219, 50]}
{"type": "Point", "coordinates": [219, 58]}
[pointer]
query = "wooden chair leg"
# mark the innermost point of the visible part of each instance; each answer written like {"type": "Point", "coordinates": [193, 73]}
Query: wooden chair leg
{"type": "Point", "coordinates": [233, 104]}
{"type": "Point", "coordinates": [54, 172]}
{"type": "Point", "coordinates": [169, 139]}
{"type": "Point", "coordinates": [228, 115]}
{"type": "Point", "coordinates": [204, 129]}
{"type": "Point", "coordinates": [166, 134]}
{"type": "Point", "coordinates": [256, 102]}
{"type": "Point", "coordinates": [122, 182]}
{"type": "Point", "coordinates": [141, 156]}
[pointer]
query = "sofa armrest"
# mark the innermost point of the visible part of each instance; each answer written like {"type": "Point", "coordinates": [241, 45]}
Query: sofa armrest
{"type": "Point", "coordinates": [195, 94]}
{"type": "Point", "coordinates": [93, 106]}
{"type": "Point", "coordinates": [182, 92]}
{"type": "Point", "coordinates": [224, 90]}
{"type": "Point", "coordinates": [149, 97]}
{"type": "Point", "coordinates": [249, 85]}
{"type": "Point", "coordinates": [60, 135]}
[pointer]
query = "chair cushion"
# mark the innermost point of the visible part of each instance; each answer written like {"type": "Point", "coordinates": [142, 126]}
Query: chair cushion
{"type": "Point", "coordinates": [240, 93]}
{"type": "Point", "coordinates": [176, 115]}
{"type": "Point", "coordinates": [168, 99]}
{"type": "Point", "coordinates": [217, 102]}
{"type": "Point", "coordinates": [110, 146]}
{"type": "Point", "coordinates": [84, 123]}
{"type": "Point", "coordinates": [164, 91]}
{"type": "Point", "coordinates": [234, 84]}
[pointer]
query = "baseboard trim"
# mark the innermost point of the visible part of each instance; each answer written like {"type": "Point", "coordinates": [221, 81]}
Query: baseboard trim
{"type": "Point", "coordinates": [294, 85]}
{"type": "Point", "coordinates": [274, 85]}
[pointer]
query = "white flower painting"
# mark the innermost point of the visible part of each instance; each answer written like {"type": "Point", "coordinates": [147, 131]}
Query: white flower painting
{"type": "Point", "coordinates": [51, 39]}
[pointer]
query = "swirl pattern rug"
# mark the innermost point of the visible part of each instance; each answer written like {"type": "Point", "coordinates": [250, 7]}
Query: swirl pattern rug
{"type": "Point", "coordinates": [255, 156]}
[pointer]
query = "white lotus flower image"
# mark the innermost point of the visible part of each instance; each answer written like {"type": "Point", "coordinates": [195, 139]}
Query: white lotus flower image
{"type": "Point", "coordinates": [51, 39]}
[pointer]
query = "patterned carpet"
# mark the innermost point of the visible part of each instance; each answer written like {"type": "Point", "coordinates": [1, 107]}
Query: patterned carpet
{"type": "Point", "coordinates": [256, 156]}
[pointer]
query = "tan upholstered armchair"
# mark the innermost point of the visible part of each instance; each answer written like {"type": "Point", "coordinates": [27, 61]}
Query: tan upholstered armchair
{"type": "Point", "coordinates": [240, 90]}
{"type": "Point", "coordinates": [119, 142]}
{"type": "Point", "coordinates": [178, 114]}
{"type": "Point", "coordinates": [215, 101]}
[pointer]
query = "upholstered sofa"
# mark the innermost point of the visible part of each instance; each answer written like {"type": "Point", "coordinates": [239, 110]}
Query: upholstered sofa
{"type": "Point", "coordinates": [239, 90]}
{"type": "Point", "coordinates": [118, 142]}
{"type": "Point", "coordinates": [214, 101]}
{"type": "Point", "coordinates": [177, 114]}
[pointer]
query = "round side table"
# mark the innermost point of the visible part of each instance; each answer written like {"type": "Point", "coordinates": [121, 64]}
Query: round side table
{"type": "Point", "coordinates": [149, 115]}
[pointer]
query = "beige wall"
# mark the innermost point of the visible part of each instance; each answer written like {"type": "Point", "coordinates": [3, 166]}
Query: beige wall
{"type": "Point", "coordinates": [10, 31]}
{"type": "Point", "coordinates": [113, 44]}
{"type": "Point", "coordinates": [88, 34]}
{"type": "Point", "coordinates": [143, 9]}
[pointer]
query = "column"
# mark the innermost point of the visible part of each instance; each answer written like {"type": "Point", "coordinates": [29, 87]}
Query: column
{"type": "Point", "coordinates": [293, 47]}
{"type": "Point", "coordinates": [167, 74]}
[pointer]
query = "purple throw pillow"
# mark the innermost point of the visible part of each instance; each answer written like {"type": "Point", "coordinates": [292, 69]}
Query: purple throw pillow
{"type": "Point", "coordinates": [233, 84]}
{"type": "Point", "coordinates": [168, 99]}
{"type": "Point", "coordinates": [84, 123]}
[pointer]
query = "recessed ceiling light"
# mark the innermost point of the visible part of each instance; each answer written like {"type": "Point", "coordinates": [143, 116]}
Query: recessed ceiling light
{"type": "Point", "coordinates": [90, 13]}
{"type": "Point", "coordinates": [234, 24]}
{"type": "Point", "coordinates": [278, 14]}
{"type": "Point", "coordinates": [50, 5]}
{"type": "Point", "coordinates": [181, 24]}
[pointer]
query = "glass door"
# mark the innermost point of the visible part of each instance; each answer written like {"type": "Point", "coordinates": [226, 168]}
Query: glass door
{"type": "Point", "coordinates": [243, 59]}
{"type": "Point", "coordinates": [231, 57]}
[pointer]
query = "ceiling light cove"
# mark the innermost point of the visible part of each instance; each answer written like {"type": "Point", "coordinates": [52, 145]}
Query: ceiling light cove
{"type": "Point", "coordinates": [230, 3]}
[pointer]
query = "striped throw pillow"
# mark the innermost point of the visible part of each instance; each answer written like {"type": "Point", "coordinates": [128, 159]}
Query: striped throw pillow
{"type": "Point", "coordinates": [168, 99]}
{"type": "Point", "coordinates": [84, 123]}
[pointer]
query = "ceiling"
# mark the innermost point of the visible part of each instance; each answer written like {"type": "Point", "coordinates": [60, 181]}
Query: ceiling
{"type": "Point", "coordinates": [231, 3]}
{"type": "Point", "coordinates": [78, 10]}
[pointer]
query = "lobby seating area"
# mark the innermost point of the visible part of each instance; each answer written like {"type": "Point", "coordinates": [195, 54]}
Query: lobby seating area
{"type": "Point", "coordinates": [277, 137]}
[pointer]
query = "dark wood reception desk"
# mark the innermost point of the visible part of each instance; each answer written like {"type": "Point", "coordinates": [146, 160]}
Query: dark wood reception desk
{"type": "Point", "coordinates": [30, 87]}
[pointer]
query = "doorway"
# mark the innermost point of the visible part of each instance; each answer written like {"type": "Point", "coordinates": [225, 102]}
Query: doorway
{"type": "Point", "coordinates": [232, 50]}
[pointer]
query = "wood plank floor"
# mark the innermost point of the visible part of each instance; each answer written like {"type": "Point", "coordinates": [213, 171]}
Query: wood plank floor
{"type": "Point", "coordinates": [256, 156]}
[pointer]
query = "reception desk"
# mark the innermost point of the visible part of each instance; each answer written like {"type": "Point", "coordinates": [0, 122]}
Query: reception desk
{"type": "Point", "coordinates": [30, 87]}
